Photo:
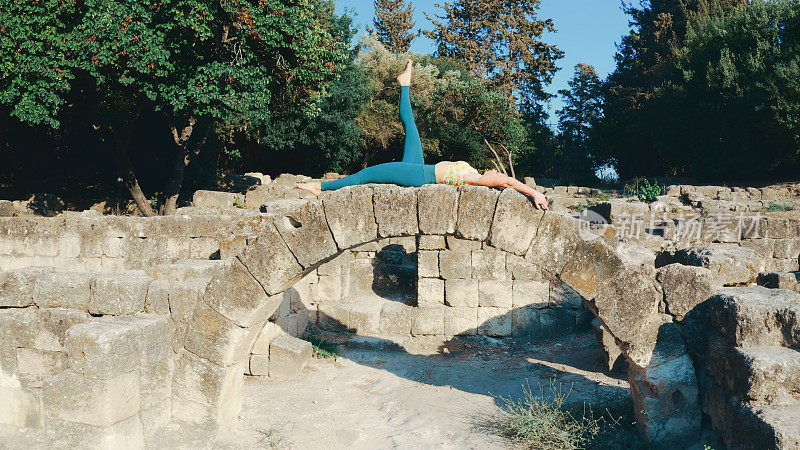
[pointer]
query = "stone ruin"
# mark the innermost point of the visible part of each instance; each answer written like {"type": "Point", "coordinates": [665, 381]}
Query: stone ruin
{"type": "Point", "coordinates": [113, 327]}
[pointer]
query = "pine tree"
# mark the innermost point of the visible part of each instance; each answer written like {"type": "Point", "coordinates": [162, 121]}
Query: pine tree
{"type": "Point", "coordinates": [393, 23]}
{"type": "Point", "coordinates": [582, 109]}
{"type": "Point", "coordinates": [499, 40]}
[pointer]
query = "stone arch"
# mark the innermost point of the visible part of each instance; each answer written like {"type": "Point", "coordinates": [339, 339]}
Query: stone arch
{"type": "Point", "coordinates": [624, 296]}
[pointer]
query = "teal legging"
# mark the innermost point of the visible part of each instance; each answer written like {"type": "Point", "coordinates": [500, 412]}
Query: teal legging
{"type": "Point", "coordinates": [412, 171]}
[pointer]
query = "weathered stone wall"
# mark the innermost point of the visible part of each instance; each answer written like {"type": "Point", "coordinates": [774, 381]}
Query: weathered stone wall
{"type": "Point", "coordinates": [298, 259]}
{"type": "Point", "coordinates": [90, 242]}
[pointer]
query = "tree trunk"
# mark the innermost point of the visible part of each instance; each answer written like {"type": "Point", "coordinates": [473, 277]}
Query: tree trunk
{"type": "Point", "coordinates": [123, 162]}
{"type": "Point", "coordinates": [181, 161]}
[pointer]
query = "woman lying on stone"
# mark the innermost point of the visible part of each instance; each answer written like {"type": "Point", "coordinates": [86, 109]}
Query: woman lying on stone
{"type": "Point", "coordinates": [412, 170]}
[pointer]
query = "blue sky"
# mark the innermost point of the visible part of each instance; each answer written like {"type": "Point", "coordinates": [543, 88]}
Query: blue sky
{"type": "Point", "coordinates": [587, 32]}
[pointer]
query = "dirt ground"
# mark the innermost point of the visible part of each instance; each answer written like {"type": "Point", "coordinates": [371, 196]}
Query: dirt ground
{"type": "Point", "coordinates": [418, 395]}
{"type": "Point", "coordinates": [400, 394]}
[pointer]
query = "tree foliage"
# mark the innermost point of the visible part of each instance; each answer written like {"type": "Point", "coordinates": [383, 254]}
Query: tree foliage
{"type": "Point", "coordinates": [718, 100]}
{"type": "Point", "coordinates": [581, 112]}
{"type": "Point", "coordinates": [394, 24]}
{"type": "Point", "coordinates": [193, 62]}
{"type": "Point", "coordinates": [501, 41]}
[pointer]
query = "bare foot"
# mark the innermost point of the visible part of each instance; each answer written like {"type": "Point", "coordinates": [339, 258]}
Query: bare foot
{"type": "Point", "coordinates": [314, 187]}
{"type": "Point", "coordinates": [405, 78]}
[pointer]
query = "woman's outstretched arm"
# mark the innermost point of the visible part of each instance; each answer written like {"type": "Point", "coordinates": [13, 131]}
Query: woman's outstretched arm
{"type": "Point", "coordinates": [493, 178]}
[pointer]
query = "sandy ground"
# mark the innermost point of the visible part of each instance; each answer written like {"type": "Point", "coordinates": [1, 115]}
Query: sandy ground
{"type": "Point", "coordinates": [419, 395]}
{"type": "Point", "coordinates": [416, 397]}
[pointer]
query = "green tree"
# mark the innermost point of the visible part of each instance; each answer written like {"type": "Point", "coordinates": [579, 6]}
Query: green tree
{"type": "Point", "coordinates": [645, 60]}
{"type": "Point", "coordinates": [393, 24]}
{"type": "Point", "coordinates": [500, 40]}
{"type": "Point", "coordinates": [582, 110]}
{"type": "Point", "coordinates": [737, 100]}
{"type": "Point", "coordinates": [194, 63]}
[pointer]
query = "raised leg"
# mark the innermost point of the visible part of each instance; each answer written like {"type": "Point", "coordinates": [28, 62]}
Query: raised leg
{"type": "Point", "coordinates": [412, 148]}
{"type": "Point", "coordinates": [400, 173]}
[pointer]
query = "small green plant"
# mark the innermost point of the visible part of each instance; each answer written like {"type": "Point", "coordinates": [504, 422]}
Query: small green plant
{"type": "Point", "coordinates": [674, 209]}
{"type": "Point", "coordinates": [603, 197]}
{"type": "Point", "coordinates": [154, 203]}
{"type": "Point", "coordinates": [323, 349]}
{"type": "Point", "coordinates": [707, 447]}
{"type": "Point", "coordinates": [773, 206]}
{"type": "Point", "coordinates": [237, 203]}
{"type": "Point", "coordinates": [648, 193]}
{"type": "Point", "coordinates": [539, 422]}
{"type": "Point", "coordinates": [584, 206]}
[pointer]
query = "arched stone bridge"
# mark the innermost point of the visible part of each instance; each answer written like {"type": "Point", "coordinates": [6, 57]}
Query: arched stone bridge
{"type": "Point", "coordinates": [623, 295]}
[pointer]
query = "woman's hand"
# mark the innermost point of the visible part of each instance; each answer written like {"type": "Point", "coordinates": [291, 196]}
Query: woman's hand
{"type": "Point", "coordinates": [539, 200]}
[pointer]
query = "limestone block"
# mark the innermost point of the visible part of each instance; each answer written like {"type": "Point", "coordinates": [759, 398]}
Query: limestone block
{"type": "Point", "coordinates": [430, 292]}
{"type": "Point", "coordinates": [756, 316]}
{"type": "Point", "coordinates": [761, 374]}
{"type": "Point", "coordinates": [364, 316]}
{"type": "Point", "coordinates": [156, 417]}
{"type": "Point", "coordinates": [102, 348]}
{"type": "Point", "coordinates": [461, 293]}
{"type": "Point", "coordinates": [287, 357]}
{"type": "Point", "coordinates": [515, 222]}
{"type": "Point", "coordinates": [265, 337]}
{"type": "Point", "coordinates": [333, 316]}
{"type": "Point", "coordinates": [6, 208]}
{"type": "Point", "coordinates": [665, 393]}
{"type": "Point", "coordinates": [33, 365]}
{"type": "Point", "coordinates": [685, 287]}
{"type": "Point", "coordinates": [780, 227]}
{"type": "Point", "coordinates": [555, 242]}
{"type": "Point", "coordinates": [184, 296]}
{"type": "Point", "coordinates": [534, 294]}
{"type": "Point", "coordinates": [489, 264]}
{"type": "Point", "coordinates": [329, 289]}
{"type": "Point", "coordinates": [438, 207]}
{"type": "Point", "coordinates": [525, 322]}
{"type": "Point", "coordinates": [127, 434]}
{"type": "Point", "coordinates": [431, 242]}
{"type": "Point", "coordinates": [611, 351]}
{"type": "Point", "coordinates": [72, 397]}
{"type": "Point", "coordinates": [118, 294]}
{"type": "Point", "coordinates": [561, 295]}
{"type": "Point", "coordinates": [50, 326]}
{"type": "Point", "coordinates": [215, 199]}
{"type": "Point", "coordinates": [476, 205]}
{"type": "Point", "coordinates": [428, 264]}
{"type": "Point", "coordinates": [269, 260]}
{"type": "Point", "coordinates": [518, 268]}
{"type": "Point", "coordinates": [259, 364]}
{"type": "Point", "coordinates": [63, 290]}
{"type": "Point", "coordinates": [17, 286]}
{"type": "Point", "coordinates": [455, 264]}
{"type": "Point", "coordinates": [155, 380]}
{"type": "Point", "coordinates": [729, 264]}
{"type": "Point", "coordinates": [590, 265]}
{"type": "Point", "coordinates": [787, 248]}
{"type": "Point", "coordinates": [238, 296]}
{"type": "Point", "coordinates": [495, 293]}
{"type": "Point", "coordinates": [157, 298]}
{"type": "Point", "coordinates": [338, 266]}
{"type": "Point", "coordinates": [187, 269]}
{"type": "Point", "coordinates": [554, 322]}
{"type": "Point", "coordinates": [395, 210]}
{"type": "Point", "coordinates": [214, 392]}
{"type": "Point", "coordinates": [396, 319]}
{"type": "Point", "coordinates": [212, 336]}
{"type": "Point", "coordinates": [427, 321]}
{"type": "Point", "coordinates": [494, 322]}
{"type": "Point", "coordinates": [460, 321]}
{"type": "Point", "coordinates": [459, 245]}
{"type": "Point", "coordinates": [306, 232]}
